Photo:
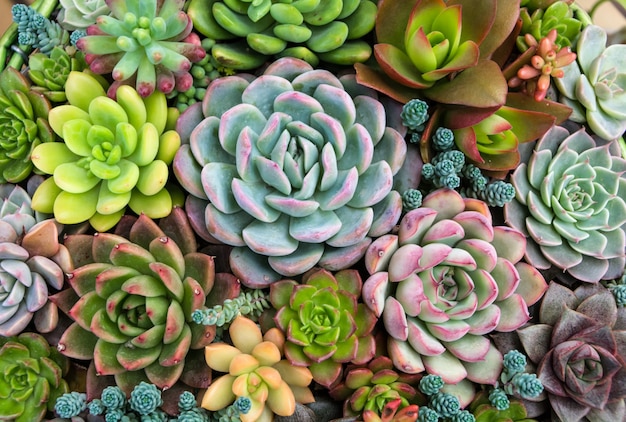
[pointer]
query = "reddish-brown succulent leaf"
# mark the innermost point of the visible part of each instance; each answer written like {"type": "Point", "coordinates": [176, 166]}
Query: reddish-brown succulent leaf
{"type": "Point", "coordinates": [392, 20]}
{"type": "Point", "coordinates": [556, 298]}
{"type": "Point", "coordinates": [193, 298]}
{"type": "Point", "coordinates": [280, 292]}
{"type": "Point", "coordinates": [103, 244]}
{"type": "Point", "coordinates": [202, 335]}
{"type": "Point", "coordinates": [506, 17]}
{"type": "Point", "coordinates": [457, 117]}
{"type": "Point", "coordinates": [42, 239]}
{"type": "Point", "coordinates": [105, 360]}
{"type": "Point", "coordinates": [201, 267]}
{"type": "Point", "coordinates": [77, 343]}
{"type": "Point", "coordinates": [523, 102]}
{"type": "Point", "coordinates": [481, 15]}
{"type": "Point", "coordinates": [196, 374]}
{"type": "Point", "coordinates": [465, 140]}
{"type": "Point", "coordinates": [65, 299]}
{"type": "Point", "coordinates": [570, 323]}
{"type": "Point", "coordinates": [326, 372]}
{"type": "Point", "coordinates": [376, 79]}
{"type": "Point", "coordinates": [176, 226]}
{"type": "Point", "coordinates": [479, 86]}
{"type": "Point", "coordinates": [144, 231]}
{"type": "Point", "coordinates": [164, 377]}
{"type": "Point", "coordinates": [226, 286]}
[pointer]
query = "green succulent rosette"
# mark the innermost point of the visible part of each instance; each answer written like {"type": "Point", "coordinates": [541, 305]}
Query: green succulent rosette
{"type": "Point", "coordinates": [325, 325]}
{"type": "Point", "coordinates": [114, 154]}
{"type": "Point", "coordinates": [135, 300]}
{"type": "Point", "coordinates": [31, 377]}
{"type": "Point", "coordinates": [49, 73]}
{"type": "Point", "coordinates": [571, 205]}
{"type": "Point", "coordinates": [23, 125]}
{"type": "Point", "coordinates": [291, 168]}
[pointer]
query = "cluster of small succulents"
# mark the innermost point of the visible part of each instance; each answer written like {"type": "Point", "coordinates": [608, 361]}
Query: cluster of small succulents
{"type": "Point", "coordinates": [241, 207]}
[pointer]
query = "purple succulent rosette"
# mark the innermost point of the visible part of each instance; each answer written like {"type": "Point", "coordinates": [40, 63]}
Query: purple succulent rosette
{"type": "Point", "coordinates": [571, 205]}
{"type": "Point", "coordinates": [294, 168]}
{"type": "Point", "coordinates": [444, 281]}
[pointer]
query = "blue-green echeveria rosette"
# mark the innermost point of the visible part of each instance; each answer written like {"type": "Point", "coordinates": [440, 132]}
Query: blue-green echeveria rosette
{"type": "Point", "coordinates": [291, 169]}
{"type": "Point", "coordinates": [571, 205]}
{"type": "Point", "coordinates": [31, 377]}
{"type": "Point", "coordinates": [594, 86]}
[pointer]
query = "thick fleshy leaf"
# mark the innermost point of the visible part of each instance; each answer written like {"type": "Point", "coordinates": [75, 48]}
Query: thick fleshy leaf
{"type": "Point", "coordinates": [448, 367]}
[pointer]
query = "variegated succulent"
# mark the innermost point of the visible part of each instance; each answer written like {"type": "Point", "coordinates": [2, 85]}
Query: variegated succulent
{"type": "Point", "coordinates": [324, 324]}
{"type": "Point", "coordinates": [444, 281]}
{"type": "Point", "coordinates": [136, 297]}
{"type": "Point", "coordinates": [578, 344]}
{"type": "Point", "coordinates": [571, 205]}
{"type": "Point", "coordinates": [114, 154]}
{"type": "Point", "coordinates": [254, 368]}
{"type": "Point", "coordinates": [291, 169]}
{"type": "Point", "coordinates": [32, 265]}
{"type": "Point", "coordinates": [595, 84]}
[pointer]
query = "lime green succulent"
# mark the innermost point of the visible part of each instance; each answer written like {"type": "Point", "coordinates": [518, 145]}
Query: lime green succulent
{"type": "Point", "coordinates": [49, 72]}
{"type": "Point", "coordinates": [115, 154]}
{"type": "Point", "coordinates": [31, 377]}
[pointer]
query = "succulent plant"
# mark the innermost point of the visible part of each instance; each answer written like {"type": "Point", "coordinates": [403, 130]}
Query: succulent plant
{"type": "Point", "coordinates": [23, 125]}
{"type": "Point", "coordinates": [255, 369]}
{"type": "Point", "coordinates": [422, 43]}
{"type": "Point", "coordinates": [547, 62]}
{"type": "Point", "coordinates": [594, 85]}
{"type": "Point", "coordinates": [34, 29]}
{"type": "Point", "coordinates": [484, 411]}
{"type": "Point", "coordinates": [144, 42]}
{"type": "Point", "coordinates": [538, 23]}
{"type": "Point", "coordinates": [324, 324]}
{"type": "Point", "coordinates": [571, 206]}
{"type": "Point", "coordinates": [250, 32]}
{"type": "Point", "coordinates": [297, 171]}
{"type": "Point", "coordinates": [49, 73]}
{"type": "Point", "coordinates": [376, 387]}
{"type": "Point", "coordinates": [113, 154]}
{"type": "Point", "coordinates": [32, 377]}
{"type": "Point", "coordinates": [577, 344]}
{"type": "Point", "coordinates": [79, 14]}
{"type": "Point", "coordinates": [444, 281]}
{"type": "Point", "coordinates": [392, 412]}
{"type": "Point", "coordinates": [136, 297]}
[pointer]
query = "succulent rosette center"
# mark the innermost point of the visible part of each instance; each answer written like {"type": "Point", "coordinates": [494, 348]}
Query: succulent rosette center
{"type": "Point", "coordinates": [294, 169]}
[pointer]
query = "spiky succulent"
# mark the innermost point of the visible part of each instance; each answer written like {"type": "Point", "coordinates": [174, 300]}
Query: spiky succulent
{"type": "Point", "coordinates": [577, 344]}
{"type": "Point", "coordinates": [250, 32]}
{"type": "Point", "coordinates": [143, 42]}
{"type": "Point", "coordinates": [444, 281]}
{"type": "Point", "coordinates": [595, 84]}
{"type": "Point", "coordinates": [49, 73]}
{"type": "Point", "coordinates": [114, 154]}
{"type": "Point", "coordinates": [136, 297]}
{"type": "Point", "coordinates": [79, 14]}
{"type": "Point", "coordinates": [23, 125]}
{"type": "Point", "coordinates": [255, 369]}
{"type": "Point", "coordinates": [31, 377]}
{"type": "Point", "coordinates": [296, 170]}
{"type": "Point", "coordinates": [571, 205]}
{"type": "Point", "coordinates": [375, 386]}
{"type": "Point", "coordinates": [324, 324]}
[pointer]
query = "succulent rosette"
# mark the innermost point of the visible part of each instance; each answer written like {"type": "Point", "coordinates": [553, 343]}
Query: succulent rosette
{"type": "Point", "coordinates": [578, 345]}
{"type": "Point", "coordinates": [324, 324]}
{"type": "Point", "coordinates": [595, 84]}
{"type": "Point", "coordinates": [254, 368]}
{"type": "Point", "coordinates": [79, 14]}
{"type": "Point", "coordinates": [32, 377]}
{"type": "Point", "coordinates": [114, 154]}
{"type": "Point", "coordinates": [49, 72]}
{"type": "Point", "coordinates": [23, 125]}
{"type": "Point", "coordinates": [290, 169]}
{"type": "Point", "coordinates": [571, 205]}
{"type": "Point", "coordinates": [144, 42]}
{"type": "Point", "coordinates": [135, 300]}
{"type": "Point", "coordinates": [444, 281]}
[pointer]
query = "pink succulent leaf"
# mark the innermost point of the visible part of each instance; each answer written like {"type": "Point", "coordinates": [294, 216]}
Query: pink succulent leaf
{"type": "Point", "coordinates": [599, 306]}
{"type": "Point", "coordinates": [557, 297]}
{"type": "Point", "coordinates": [335, 259]}
{"type": "Point", "coordinates": [484, 321]}
{"type": "Point", "coordinates": [421, 339]}
{"type": "Point", "coordinates": [514, 313]}
{"type": "Point", "coordinates": [447, 232]}
{"type": "Point", "coordinates": [470, 348]}
{"type": "Point", "coordinates": [483, 253]}
{"type": "Point", "coordinates": [475, 225]}
{"type": "Point", "coordinates": [404, 356]}
{"type": "Point", "coordinates": [488, 370]}
{"type": "Point", "coordinates": [326, 372]}
{"type": "Point", "coordinates": [190, 180]}
{"type": "Point", "coordinates": [386, 214]}
{"type": "Point", "coordinates": [532, 284]}
{"type": "Point", "coordinates": [450, 330]}
{"type": "Point", "coordinates": [507, 278]}
{"type": "Point", "coordinates": [447, 366]}
{"type": "Point", "coordinates": [509, 243]}
{"type": "Point", "coordinates": [375, 290]}
{"type": "Point", "coordinates": [404, 262]}
{"type": "Point", "coordinates": [380, 252]}
{"type": "Point", "coordinates": [568, 410]}
{"type": "Point", "coordinates": [570, 323]}
{"type": "Point", "coordinates": [485, 288]}
{"type": "Point", "coordinates": [464, 308]}
{"type": "Point", "coordinates": [430, 313]}
{"type": "Point", "coordinates": [410, 293]}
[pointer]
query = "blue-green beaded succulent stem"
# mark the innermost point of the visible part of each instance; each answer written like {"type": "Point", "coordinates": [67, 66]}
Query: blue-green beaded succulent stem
{"type": "Point", "coordinates": [443, 140]}
{"type": "Point", "coordinates": [431, 384]}
{"type": "Point", "coordinates": [514, 362]}
{"type": "Point", "coordinates": [70, 404]}
{"type": "Point", "coordinates": [445, 404]}
{"type": "Point", "coordinates": [426, 414]}
{"type": "Point", "coordinates": [96, 407]}
{"type": "Point", "coordinates": [145, 398]}
{"type": "Point", "coordinates": [113, 398]}
{"type": "Point", "coordinates": [528, 386]}
{"type": "Point", "coordinates": [499, 399]}
{"type": "Point", "coordinates": [463, 416]}
{"type": "Point", "coordinates": [186, 401]}
{"type": "Point", "coordinates": [411, 199]}
{"type": "Point", "coordinates": [414, 114]}
{"type": "Point", "coordinates": [250, 303]}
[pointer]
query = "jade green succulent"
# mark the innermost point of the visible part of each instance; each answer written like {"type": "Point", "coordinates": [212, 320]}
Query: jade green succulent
{"type": "Point", "coordinates": [374, 387]}
{"type": "Point", "coordinates": [439, 49]}
{"type": "Point", "coordinates": [577, 343]}
{"type": "Point", "coordinates": [248, 33]}
{"type": "Point", "coordinates": [114, 154]}
{"type": "Point", "coordinates": [255, 369]}
{"type": "Point", "coordinates": [79, 14]}
{"type": "Point", "coordinates": [594, 86]}
{"type": "Point", "coordinates": [136, 297]}
{"type": "Point", "coordinates": [23, 125]}
{"type": "Point", "coordinates": [31, 377]}
{"type": "Point", "coordinates": [291, 169]}
{"type": "Point", "coordinates": [444, 281]}
{"type": "Point", "coordinates": [49, 73]}
{"type": "Point", "coordinates": [146, 43]}
{"type": "Point", "coordinates": [571, 206]}
{"type": "Point", "coordinates": [559, 16]}
{"type": "Point", "coordinates": [324, 324]}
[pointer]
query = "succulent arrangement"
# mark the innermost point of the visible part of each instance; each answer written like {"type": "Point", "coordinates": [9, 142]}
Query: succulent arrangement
{"type": "Point", "coordinates": [303, 210]}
